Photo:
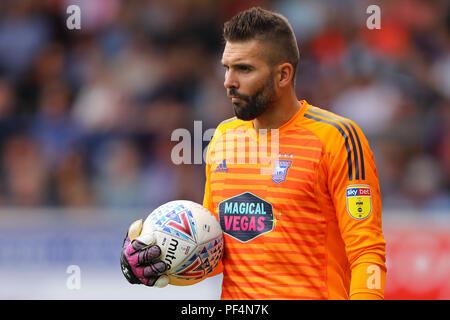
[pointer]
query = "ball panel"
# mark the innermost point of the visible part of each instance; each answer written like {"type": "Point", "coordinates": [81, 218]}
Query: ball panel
{"type": "Point", "coordinates": [173, 218]}
{"type": "Point", "coordinates": [200, 264]}
{"type": "Point", "coordinates": [207, 224]}
{"type": "Point", "coordinates": [190, 238]}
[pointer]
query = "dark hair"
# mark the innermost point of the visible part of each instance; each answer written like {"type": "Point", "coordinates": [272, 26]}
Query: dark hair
{"type": "Point", "coordinates": [266, 26]}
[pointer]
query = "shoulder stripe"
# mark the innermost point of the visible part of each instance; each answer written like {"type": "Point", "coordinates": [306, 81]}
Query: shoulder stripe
{"type": "Point", "coordinates": [346, 121]}
{"type": "Point", "coordinates": [347, 146]}
{"type": "Point", "coordinates": [228, 120]}
{"type": "Point", "coordinates": [355, 152]}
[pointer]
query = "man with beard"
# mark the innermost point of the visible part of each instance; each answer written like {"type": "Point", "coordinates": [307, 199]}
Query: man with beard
{"type": "Point", "coordinates": [304, 221]}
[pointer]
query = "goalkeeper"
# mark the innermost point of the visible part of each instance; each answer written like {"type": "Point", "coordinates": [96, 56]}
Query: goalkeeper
{"type": "Point", "coordinates": [318, 234]}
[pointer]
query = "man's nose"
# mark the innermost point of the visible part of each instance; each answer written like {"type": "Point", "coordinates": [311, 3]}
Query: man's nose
{"type": "Point", "coordinates": [230, 81]}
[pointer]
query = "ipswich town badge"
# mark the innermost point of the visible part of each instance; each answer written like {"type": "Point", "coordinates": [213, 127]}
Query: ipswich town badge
{"type": "Point", "coordinates": [280, 170]}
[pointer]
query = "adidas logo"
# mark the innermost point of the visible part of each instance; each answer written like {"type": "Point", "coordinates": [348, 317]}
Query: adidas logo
{"type": "Point", "coordinates": [222, 167]}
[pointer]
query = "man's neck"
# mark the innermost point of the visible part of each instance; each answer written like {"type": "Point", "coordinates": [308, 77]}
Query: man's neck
{"type": "Point", "coordinates": [278, 114]}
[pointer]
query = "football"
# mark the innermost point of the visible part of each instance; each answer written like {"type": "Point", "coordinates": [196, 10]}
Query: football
{"type": "Point", "coordinates": [190, 238]}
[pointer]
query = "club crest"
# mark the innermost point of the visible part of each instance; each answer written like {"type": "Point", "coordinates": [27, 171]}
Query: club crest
{"type": "Point", "coordinates": [280, 170]}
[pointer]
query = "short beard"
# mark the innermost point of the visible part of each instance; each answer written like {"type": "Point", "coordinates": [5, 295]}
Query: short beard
{"type": "Point", "coordinates": [256, 104]}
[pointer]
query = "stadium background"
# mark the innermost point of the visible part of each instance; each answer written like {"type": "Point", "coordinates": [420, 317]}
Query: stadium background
{"type": "Point", "coordinates": [86, 118]}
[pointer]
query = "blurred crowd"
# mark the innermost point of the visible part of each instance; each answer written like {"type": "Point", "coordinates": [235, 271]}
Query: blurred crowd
{"type": "Point", "coordinates": [86, 115]}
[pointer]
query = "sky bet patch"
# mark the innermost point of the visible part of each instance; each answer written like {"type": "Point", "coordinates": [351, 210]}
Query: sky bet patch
{"type": "Point", "coordinates": [359, 201]}
{"type": "Point", "coordinates": [245, 216]}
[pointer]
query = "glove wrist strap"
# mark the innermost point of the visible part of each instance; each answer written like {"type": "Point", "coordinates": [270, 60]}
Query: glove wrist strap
{"type": "Point", "coordinates": [126, 270]}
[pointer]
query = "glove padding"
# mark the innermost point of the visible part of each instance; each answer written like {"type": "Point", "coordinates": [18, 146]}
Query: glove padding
{"type": "Point", "coordinates": [137, 258]}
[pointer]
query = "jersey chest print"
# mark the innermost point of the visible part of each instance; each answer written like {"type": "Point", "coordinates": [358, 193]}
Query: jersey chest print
{"type": "Point", "coordinates": [246, 216]}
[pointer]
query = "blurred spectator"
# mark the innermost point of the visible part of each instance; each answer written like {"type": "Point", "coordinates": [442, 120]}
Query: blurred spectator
{"type": "Point", "coordinates": [71, 185]}
{"type": "Point", "coordinates": [25, 173]}
{"type": "Point", "coordinates": [422, 184]}
{"type": "Point", "coordinates": [6, 99]}
{"type": "Point", "coordinates": [306, 17]}
{"type": "Point", "coordinates": [100, 105]}
{"type": "Point", "coordinates": [8, 121]}
{"type": "Point", "coordinates": [441, 74]}
{"type": "Point", "coordinates": [23, 32]}
{"type": "Point", "coordinates": [52, 127]}
{"type": "Point", "coordinates": [159, 182]}
{"type": "Point", "coordinates": [96, 15]}
{"type": "Point", "coordinates": [139, 67]}
{"type": "Point", "coordinates": [392, 41]}
{"type": "Point", "coordinates": [117, 183]}
{"type": "Point", "coordinates": [443, 141]}
{"type": "Point", "coordinates": [163, 116]}
{"type": "Point", "coordinates": [370, 104]}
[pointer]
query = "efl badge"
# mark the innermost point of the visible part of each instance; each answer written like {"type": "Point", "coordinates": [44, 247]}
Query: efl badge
{"type": "Point", "coordinates": [359, 201]}
{"type": "Point", "coordinates": [280, 170]}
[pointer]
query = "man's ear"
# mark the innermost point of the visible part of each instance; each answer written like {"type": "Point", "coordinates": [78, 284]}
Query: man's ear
{"type": "Point", "coordinates": [285, 74]}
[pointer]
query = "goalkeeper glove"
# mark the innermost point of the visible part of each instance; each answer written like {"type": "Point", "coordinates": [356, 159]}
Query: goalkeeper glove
{"type": "Point", "coordinates": [138, 258]}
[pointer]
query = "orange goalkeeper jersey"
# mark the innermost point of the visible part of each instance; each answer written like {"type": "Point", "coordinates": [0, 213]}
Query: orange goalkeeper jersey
{"type": "Point", "coordinates": [300, 208]}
